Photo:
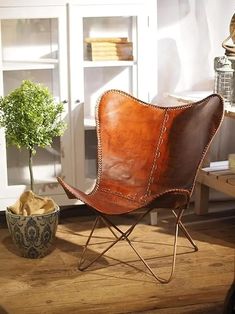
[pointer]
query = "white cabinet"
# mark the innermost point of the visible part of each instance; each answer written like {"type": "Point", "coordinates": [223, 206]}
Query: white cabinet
{"type": "Point", "coordinates": [46, 43]}
{"type": "Point", "coordinates": [33, 46]}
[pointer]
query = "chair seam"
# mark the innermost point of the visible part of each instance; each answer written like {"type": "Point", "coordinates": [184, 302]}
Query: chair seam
{"type": "Point", "coordinates": [119, 194]}
{"type": "Point", "coordinates": [157, 153]}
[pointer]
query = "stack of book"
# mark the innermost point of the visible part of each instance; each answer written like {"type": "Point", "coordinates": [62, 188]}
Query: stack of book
{"type": "Point", "coordinates": [117, 48]}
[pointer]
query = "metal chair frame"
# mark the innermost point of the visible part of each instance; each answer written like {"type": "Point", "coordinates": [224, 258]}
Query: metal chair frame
{"type": "Point", "coordinates": [124, 236]}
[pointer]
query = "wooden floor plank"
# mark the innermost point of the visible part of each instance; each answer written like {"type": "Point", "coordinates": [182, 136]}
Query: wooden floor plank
{"type": "Point", "coordinates": [119, 283]}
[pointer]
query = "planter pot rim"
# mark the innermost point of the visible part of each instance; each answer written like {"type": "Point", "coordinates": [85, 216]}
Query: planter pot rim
{"type": "Point", "coordinates": [57, 208]}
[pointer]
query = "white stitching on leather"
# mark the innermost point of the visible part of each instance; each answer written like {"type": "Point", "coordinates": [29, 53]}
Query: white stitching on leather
{"type": "Point", "coordinates": [157, 153]}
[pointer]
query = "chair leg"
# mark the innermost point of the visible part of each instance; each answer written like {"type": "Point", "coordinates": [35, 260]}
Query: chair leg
{"type": "Point", "coordinates": [184, 230]}
{"type": "Point", "coordinates": [109, 227]}
{"type": "Point", "coordinates": [125, 235]}
{"type": "Point", "coordinates": [88, 241]}
{"type": "Point", "coordinates": [161, 280]}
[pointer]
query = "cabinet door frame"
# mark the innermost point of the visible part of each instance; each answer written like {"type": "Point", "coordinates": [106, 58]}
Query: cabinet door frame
{"type": "Point", "coordinates": [9, 193]}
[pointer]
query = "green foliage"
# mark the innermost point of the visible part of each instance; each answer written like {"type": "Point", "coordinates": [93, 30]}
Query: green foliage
{"type": "Point", "coordinates": [30, 116]}
{"type": "Point", "coordinates": [31, 119]}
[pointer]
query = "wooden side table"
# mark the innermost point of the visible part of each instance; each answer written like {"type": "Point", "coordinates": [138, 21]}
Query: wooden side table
{"type": "Point", "coordinates": [217, 175]}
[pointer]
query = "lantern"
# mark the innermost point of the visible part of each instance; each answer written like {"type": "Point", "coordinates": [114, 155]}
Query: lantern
{"type": "Point", "coordinates": [224, 81]}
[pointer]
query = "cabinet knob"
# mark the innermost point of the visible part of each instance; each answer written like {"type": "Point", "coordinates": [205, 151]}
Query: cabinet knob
{"type": "Point", "coordinates": [65, 101]}
{"type": "Point", "coordinates": [77, 101]}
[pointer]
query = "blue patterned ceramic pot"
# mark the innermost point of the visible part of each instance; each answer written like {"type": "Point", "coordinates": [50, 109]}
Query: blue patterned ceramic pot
{"type": "Point", "coordinates": [33, 235]}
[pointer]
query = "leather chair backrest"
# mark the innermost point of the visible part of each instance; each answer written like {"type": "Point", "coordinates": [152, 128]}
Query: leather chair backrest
{"type": "Point", "coordinates": [144, 149]}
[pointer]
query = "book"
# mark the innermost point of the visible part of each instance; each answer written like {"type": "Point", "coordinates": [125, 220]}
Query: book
{"type": "Point", "coordinates": [107, 48]}
{"type": "Point", "coordinates": [117, 52]}
{"type": "Point", "coordinates": [109, 45]}
{"type": "Point", "coordinates": [111, 57]}
{"type": "Point", "coordinates": [106, 39]}
{"type": "Point", "coordinates": [110, 51]}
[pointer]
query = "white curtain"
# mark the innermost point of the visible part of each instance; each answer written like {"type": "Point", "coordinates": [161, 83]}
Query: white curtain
{"type": "Point", "coordinates": [190, 34]}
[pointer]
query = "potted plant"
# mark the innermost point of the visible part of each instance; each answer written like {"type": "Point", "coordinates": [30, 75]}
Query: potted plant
{"type": "Point", "coordinates": [31, 119]}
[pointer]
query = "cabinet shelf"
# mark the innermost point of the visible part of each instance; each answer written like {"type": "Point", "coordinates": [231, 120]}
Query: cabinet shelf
{"type": "Point", "coordinates": [89, 123]}
{"type": "Point", "coordinates": [95, 64]}
{"type": "Point", "coordinates": [19, 65]}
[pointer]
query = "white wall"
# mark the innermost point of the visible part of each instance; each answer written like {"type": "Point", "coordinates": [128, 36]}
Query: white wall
{"type": "Point", "coordinates": [190, 34]}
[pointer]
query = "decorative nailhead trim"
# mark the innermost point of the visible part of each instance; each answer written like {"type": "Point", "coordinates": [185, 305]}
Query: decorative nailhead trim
{"type": "Point", "coordinates": [157, 106]}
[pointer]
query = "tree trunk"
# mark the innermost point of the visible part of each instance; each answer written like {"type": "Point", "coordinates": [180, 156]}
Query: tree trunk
{"type": "Point", "coordinates": [31, 169]}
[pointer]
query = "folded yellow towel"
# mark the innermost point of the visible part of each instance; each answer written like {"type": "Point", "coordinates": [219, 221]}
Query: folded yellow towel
{"type": "Point", "coordinates": [31, 204]}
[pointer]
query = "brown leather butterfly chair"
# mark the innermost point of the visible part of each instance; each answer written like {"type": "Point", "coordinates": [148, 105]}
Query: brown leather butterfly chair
{"type": "Point", "coordinates": [148, 158]}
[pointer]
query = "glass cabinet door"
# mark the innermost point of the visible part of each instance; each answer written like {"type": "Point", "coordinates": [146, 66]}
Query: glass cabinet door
{"type": "Point", "coordinates": [100, 71]}
{"type": "Point", "coordinates": [108, 50]}
{"type": "Point", "coordinates": [33, 47]}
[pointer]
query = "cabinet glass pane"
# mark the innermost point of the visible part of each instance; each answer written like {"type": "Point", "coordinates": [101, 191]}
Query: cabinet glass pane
{"type": "Point", "coordinates": [30, 52]}
{"type": "Point", "coordinates": [106, 68]}
{"type": "Point", "coordinates": [47, 77]}
{"type": "Point", "coordinates": [98, 80]}
{"type": "Point", "coordinates": [46, 164]}
{"type": "Point", "coordinates": [111, 27]}
{"type": "Point", "coordinates": [29, 39]}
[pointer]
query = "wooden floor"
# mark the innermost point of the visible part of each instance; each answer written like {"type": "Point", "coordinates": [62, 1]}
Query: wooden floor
{"type": "Point", "coordinates": [119, 283]}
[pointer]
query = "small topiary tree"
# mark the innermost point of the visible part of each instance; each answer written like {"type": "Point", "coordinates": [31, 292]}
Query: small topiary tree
{"type": "Point", "coordinates": [31, 119]}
